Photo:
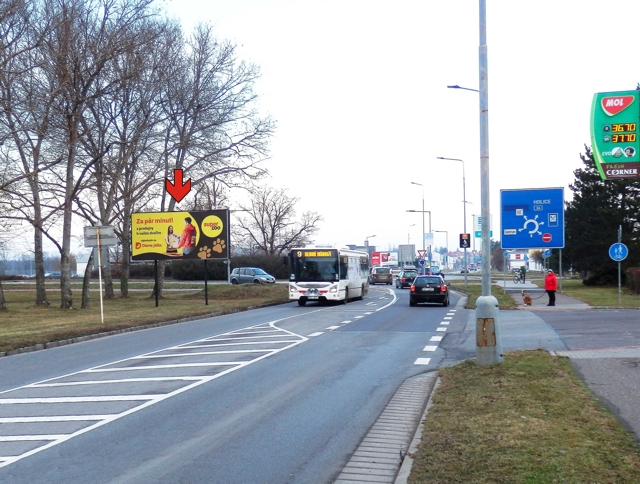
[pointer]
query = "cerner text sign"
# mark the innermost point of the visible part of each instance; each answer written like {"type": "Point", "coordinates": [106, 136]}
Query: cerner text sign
{"type": "Point", "coordinates": [615, 134]}
{"type": "Point", "coordinates": [532, 218]}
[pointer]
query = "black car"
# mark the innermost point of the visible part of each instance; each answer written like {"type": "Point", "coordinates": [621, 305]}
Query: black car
{"type": "Point", "coordinates": [429, 289]}
{"type": "Point", "coordinates": [405, 278]}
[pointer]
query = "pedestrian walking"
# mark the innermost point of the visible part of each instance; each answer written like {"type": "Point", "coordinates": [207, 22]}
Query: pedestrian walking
{"type": "Point", "coordinates": [551, 285]}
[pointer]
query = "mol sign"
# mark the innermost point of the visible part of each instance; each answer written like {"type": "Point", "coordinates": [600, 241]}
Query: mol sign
{"type": "Point", "coordinates": [615, 134]}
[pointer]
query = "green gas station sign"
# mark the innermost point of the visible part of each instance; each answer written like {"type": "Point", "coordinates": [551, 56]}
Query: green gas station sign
{"type": "Point", "coordinates": [615, 134]}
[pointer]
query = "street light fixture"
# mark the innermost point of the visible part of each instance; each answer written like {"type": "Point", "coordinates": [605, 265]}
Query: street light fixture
{"type": "Point", "coordinates": [455, 86]}
{"type": "Point", "coordinates": [464, 204]}
{"type": "Point", "coordinates": [366, 239]}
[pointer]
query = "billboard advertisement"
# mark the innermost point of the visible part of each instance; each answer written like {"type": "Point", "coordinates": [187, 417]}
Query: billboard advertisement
{"type": "Point", "coordinates": [615, 134]}
{"type": "Point", "coordinates": [180, 235]}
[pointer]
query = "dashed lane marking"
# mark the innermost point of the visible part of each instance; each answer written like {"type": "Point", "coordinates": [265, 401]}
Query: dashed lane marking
{"type": "Point", "coordinates": [422, 361]}
{"type": "Point", "coordinates": [318, 333]}
{"type": "Point", "coordinates": [436, 338]}
{"type": "Point", "coordinates": [430, 348]}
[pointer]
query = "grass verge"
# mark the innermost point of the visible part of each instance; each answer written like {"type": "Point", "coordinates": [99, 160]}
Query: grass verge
{"type": "Point", "coordinates": [25, 324]}
{"type": "Point", "coordinates": [474, 290]}
{"type": "Point", "coordinates": [604, 296]}
{"type": "Point", "coordinates": [527, 420]}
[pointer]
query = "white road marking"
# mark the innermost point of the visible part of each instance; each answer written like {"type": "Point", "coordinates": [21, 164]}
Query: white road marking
{"type": "Point", "coordinates": [331, 328]}
{"type": "Point", "coordinates": [430, 348]}
{"type": "Point", "coordinates": [358, 317]}
{"type": "Point", "coordinates": [422, 361]}
{"type": "Point", "coordinates": [316, 334]}
{"type": "Point", "coordinates": [448, 318]}
{"type": "Point", "coordinates": [444, 323]}
{"type": "Point", "coordinates": [345, 322]}
{"type": "Point", "coordinates": [441, 329]}
{"type": "Point", "coordinates": [75, 383]}
{"type": "Point", "coordinates": [436, 338]}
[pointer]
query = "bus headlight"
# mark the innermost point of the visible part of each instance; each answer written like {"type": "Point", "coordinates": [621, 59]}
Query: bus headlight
{"type": "Point", "coordinates": [333, 289]}
{"type": "Point", "coordinates": [292, 288]}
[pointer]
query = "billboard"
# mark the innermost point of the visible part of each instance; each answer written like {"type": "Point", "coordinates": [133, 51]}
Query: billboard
{"type": "Point", "coordinates": [180, 235]}
{"type": "Point", "coordinates": [615, 134]}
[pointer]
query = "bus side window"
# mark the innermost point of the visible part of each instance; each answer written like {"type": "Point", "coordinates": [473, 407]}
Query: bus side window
{"type": "Point", "coordinates": [344, 267]}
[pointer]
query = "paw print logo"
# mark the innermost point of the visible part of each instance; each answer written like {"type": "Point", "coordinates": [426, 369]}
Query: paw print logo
{"type": "Point", "coordinates": [219, 246]}
{"type": "Point", "coordinates": [205, 252]}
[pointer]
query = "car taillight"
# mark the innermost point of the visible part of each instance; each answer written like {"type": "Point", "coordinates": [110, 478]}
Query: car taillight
{"type": "Point", "coordinates": [443, 288]}
{"type": "Point", "coordinates": [412, 288]}
{"type": "Point", "coordinates": [403, 279]}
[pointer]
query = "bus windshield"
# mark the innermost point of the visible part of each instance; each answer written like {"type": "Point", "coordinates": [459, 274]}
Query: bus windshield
{"type": "Point", "coordinates": [315, 265]}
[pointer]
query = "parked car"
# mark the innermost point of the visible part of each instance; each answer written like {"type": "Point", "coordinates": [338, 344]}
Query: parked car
{"type": "Point", "coordinates": [52, 274]}
{"type": "Point", "coordinates": [405, 278]}
{"type": "Point", "coordinates": [429, 289]}
{"type": "Point", "coordinates": [242, 275]}
{"type": "Point", "coordinates": [381, 275]}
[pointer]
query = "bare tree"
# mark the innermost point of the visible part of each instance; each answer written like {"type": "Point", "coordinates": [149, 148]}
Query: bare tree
{"type": "Point", "coordinates": [212, 129]}
{"type": "Point", "coordinates": [271, 224]}
{"type": "Point", "coordinates": [26, 151]}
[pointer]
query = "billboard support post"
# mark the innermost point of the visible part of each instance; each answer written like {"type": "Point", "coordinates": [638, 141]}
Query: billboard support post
{"type": "Point", "coordinates": [206, 288]}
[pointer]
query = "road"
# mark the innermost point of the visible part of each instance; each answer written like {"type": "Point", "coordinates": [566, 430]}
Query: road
{"type": "Point", "coordinates": [281, 394]}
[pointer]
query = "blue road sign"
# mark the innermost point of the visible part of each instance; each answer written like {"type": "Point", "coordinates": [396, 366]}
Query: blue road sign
{"type": "Point", "coordinates": [546, 254]}
{"type": "Point", "coordinates": [421, 262]}
{"type": "Point", "coordinates": [532, 218]}
{"type": "Point", "coordinates": [618, 251]}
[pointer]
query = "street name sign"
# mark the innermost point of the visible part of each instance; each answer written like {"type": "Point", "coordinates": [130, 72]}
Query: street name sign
{"type": "Point", "coordinates": [532, 218]}
{"type": "Point", "coordinates": [107, 236]}
{"type": "Point", "coordinates": [615, 134]}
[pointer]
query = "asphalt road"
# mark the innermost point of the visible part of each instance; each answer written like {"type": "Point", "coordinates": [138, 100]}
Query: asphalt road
{"type": "Point", "coordinates": [280, 394]}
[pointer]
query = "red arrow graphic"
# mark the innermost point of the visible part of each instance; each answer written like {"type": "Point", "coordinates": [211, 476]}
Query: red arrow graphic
{"type": "Point", "coordinates": [178, 190]}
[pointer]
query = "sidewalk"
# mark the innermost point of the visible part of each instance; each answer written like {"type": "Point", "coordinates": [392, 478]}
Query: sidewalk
{"type": "Point", "coordinates": [539, 297]}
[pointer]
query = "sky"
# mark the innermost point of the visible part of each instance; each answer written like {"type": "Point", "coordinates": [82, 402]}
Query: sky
{"type": "Point", "coordinates": [358, 89]}
{"type": "Point", "coordinates": [359, 92]}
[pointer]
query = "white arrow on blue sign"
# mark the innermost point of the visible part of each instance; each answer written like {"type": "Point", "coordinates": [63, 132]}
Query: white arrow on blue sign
{"type": "Point", "coordinates": [618, 251]}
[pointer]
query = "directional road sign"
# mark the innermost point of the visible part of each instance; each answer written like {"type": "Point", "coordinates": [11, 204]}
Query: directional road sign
{"type": "Point", "coordinates": [546, 254]}
{"type": "Point", "coordinates": [618, 251]}
{"type": "Point", "coordinates": [532, 218]}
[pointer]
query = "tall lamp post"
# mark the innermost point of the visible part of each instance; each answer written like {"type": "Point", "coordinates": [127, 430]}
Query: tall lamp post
{"type": "Point", "coordinates": [423, 212]}
{"type": "Point", "coordinates": [464, 205]}
{"type": "Point", "coordinates": [487, 322]}
{"type": "Point", "coordinates": [447, 247]}
{"type": "Point", "coordinates": [366, 243]}
{"type": "Point", "coordinates": [421, 185]}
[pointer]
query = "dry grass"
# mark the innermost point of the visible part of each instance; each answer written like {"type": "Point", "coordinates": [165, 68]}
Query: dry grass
{"type": "Point", "coordinates": [25, 324]}
{"type": "Point", "coordinates": [527, 420]}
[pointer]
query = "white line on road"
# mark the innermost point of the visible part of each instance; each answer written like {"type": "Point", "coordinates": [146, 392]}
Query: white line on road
{"type": "Point", "coordinates": [430, 348]}
{"type": "Point", "coordinates": [422, 361]}
{"type": "Point", "coordinates": [436, 338]}
{"type": "Point", "coordinates": [316, 334]}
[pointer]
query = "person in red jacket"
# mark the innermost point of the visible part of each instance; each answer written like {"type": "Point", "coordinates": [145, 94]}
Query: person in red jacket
{"type": "Point", "coordinates": [188, 237]}
{"type": "Point", "coordinates": [551, 285]}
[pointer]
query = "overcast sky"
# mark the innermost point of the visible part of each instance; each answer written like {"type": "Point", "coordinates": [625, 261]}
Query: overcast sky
{"type": "Point", "coordinates": [359, 92]}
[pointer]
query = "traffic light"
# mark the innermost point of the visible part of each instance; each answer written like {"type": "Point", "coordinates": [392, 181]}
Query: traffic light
{"type": "Point", "coordinates": [465, 241]}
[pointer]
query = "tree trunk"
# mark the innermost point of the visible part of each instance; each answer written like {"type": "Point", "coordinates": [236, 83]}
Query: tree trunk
{"type": "Point", "coordinates": [41, 290]}
{"type": "Point", "coordinates": [3, 303]}
{"type": "Point", "coordinates": [86, 283]}
{"type": "Point", "coordinates": [126, 255]}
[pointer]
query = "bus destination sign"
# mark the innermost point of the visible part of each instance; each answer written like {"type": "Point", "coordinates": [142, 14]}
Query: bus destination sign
{"type": "Point", "coordinates": [315, 253]}
{"type": "Point", "coordinates": [615, 123]}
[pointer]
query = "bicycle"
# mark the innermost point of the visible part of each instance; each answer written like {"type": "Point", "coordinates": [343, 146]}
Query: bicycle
{"type": "Point", "coordinates": [517, 277]}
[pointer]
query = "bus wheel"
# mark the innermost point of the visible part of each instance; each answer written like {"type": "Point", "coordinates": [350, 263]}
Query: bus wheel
{"type": "Point", "coordinates": [346, 296]}
{"type": "Point", "coordinates": [302, 302]}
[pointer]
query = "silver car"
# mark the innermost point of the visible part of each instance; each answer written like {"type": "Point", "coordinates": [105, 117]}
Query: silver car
{"type": "Point", "coordinates": [255, 275]}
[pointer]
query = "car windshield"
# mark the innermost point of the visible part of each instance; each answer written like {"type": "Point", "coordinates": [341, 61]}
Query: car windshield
{"type": "Point", "coordinates": [383, 271]}
{"type": "Point", "coordinates": [259, 272]}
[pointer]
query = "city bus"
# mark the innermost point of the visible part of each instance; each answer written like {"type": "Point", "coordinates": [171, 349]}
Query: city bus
{"type": "Point", "coordinates": [327, 274]}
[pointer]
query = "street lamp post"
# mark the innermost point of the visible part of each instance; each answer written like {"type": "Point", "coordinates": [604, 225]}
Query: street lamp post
{"type": "Point", "coordinates": [447, 247]}
{"type": "Point", "coordinates": [421, 185]}
{"type": "Point", "coordinates": [464, 205]}
{"type": "Point", "coordinates": [408, 234]}
{"type": "Point", "coordinates": [366, 243]}
{"type": "Point", "coordinates": [487, 317]}
{"type": "Point", "coordinates": [423, 212]}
